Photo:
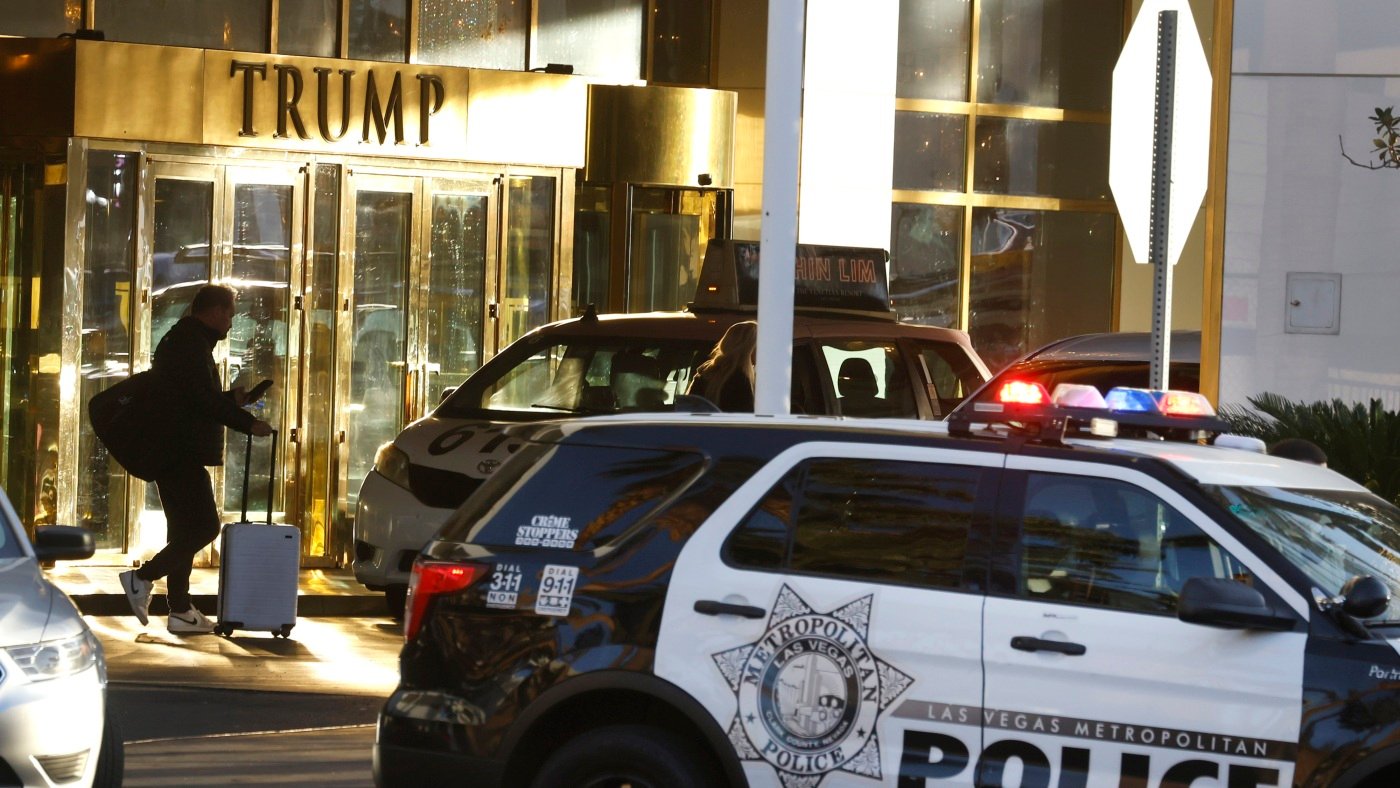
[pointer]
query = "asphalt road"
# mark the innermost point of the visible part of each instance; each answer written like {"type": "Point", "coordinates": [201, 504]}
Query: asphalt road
{"type": "Point", "coordinates": [251, 709]}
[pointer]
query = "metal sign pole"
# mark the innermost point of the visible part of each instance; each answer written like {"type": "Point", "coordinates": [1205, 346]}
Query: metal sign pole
{"type": "Point", "coordinates": [1161, 201]}
{"type": "Point", "coordinates": [778, 234]}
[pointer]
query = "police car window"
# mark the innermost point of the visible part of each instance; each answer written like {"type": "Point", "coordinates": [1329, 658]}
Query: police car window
{"type": "Point", "coordinates": [869, 378]}
{"type": "Point", "coordinates": [880, 520]}
{"type": "Point", "coordinates": [1331, 535]}
{"type": "Point", "coordinates": [1107, 543]}
{"type": "Point", "coordinates": [580, 497]}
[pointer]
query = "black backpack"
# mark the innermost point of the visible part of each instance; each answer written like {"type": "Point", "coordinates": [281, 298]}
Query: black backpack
{"type": "Point", "coordinates": [134, 419]}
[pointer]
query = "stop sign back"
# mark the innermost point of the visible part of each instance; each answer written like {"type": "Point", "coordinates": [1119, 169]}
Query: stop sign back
{"type": "Point", "coordinates": [1133, 121]}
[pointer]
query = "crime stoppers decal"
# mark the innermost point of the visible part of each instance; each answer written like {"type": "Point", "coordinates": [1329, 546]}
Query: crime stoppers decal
{"type": "Point", "coordinates": [810, 692]}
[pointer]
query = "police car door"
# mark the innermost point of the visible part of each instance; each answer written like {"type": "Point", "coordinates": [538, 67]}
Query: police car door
{"type": "Point", "coordinates": [1092, 680]}
{"type": "Point", "coordinates": [828, 615]}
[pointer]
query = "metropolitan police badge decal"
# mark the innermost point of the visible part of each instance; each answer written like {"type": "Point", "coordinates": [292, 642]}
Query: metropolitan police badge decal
{"type": "Point", "coordinates": [810, 692]}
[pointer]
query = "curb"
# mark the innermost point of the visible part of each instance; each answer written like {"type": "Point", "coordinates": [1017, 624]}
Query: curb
{"type": "Point", "coordinates": [308, 606]}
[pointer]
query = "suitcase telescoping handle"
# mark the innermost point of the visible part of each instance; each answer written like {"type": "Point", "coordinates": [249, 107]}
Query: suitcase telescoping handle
{"type": "Point", "coordinates": [271, 476]}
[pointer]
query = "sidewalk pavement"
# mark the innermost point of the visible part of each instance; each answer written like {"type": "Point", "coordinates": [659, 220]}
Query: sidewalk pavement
{"type": "Point", "coordinates": [323, 592]}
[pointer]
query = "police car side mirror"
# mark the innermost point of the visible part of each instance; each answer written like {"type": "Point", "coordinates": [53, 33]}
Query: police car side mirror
{"type": "Point", "coordinates": [1365, 597]}
{"type": "Point", "coordinates": [447, 392]}
{"type": "Point", "coordinates": [1229, 604]}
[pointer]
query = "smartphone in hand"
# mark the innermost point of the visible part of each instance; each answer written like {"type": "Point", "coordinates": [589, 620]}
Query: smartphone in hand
{"type": "Point", "coordinates": [256, 393]}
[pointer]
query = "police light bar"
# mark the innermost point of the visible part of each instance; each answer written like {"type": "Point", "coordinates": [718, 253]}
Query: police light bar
{"type": "Point", "coordinates": [1074, 408]}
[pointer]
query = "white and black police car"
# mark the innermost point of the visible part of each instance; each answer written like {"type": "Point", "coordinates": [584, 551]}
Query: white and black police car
{"type": "Point", "coordinates": [850, 357]}
{"type": "Point", "coordinates": [1080, 594]}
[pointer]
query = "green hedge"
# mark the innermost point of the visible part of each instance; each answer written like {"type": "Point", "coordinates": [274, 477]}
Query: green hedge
{"type": "Point", "coordinates": [1362, 442]}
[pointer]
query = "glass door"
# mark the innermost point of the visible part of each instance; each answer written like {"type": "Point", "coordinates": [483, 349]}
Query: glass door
{"type": "Point", "coordinates": [264, 206]}
{"type": "Point", "coordinates": [381, 240]}
{"type": "Point", "coordinates": [178, 220]}
{"type": "Point", "coordinates": [450, 339]}
{"type": "Point", "coordinates": [526, 281]}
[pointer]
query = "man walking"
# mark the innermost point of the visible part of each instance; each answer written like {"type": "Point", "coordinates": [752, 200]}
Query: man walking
{"type": "Point", "coordinates": [184, 361]}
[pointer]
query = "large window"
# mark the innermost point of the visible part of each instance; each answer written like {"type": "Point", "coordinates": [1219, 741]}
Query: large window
{"type": "Point", "coordinates": [1003, 224]}
{"type": "Point", "coordinates": [209, 24]}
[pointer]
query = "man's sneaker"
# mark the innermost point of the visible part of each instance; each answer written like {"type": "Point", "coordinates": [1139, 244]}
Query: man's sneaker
{"type": "Point", "coordinates": [190, 622]}
{"type": "Point", "coordinates": [138, 594]}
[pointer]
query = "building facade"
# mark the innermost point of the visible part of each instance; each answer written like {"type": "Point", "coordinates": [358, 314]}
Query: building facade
{"type": "Point", "coordinates": [394, 200]}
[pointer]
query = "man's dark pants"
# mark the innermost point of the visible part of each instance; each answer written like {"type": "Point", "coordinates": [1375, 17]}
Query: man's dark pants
{"type": "Point", "coordinates": [191, 522]}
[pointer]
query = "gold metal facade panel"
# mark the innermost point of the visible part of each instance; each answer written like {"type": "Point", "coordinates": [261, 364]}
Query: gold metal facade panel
{"type": "Point", "coordinates": [661, 136]}
{"type": "Point", "coordinates": [518, 117]}
{"type": "Point", "coordinates": [36, 87]}
{"type": "Point", "coordinates": [326, 105]}
{"type": "Point", "coordinates": [138, 92]}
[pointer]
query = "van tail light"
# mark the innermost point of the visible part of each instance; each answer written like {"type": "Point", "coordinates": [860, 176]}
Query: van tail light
{"type": "Point", "coordinates": [432, 579]}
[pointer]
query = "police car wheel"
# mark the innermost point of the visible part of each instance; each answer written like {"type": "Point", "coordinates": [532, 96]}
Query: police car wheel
{"type": "Point", "coordinates": [627, 755]}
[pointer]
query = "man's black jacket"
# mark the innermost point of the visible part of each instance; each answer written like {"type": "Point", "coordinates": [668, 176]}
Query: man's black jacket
{"type": "Point", "coordinates": [184, 360]}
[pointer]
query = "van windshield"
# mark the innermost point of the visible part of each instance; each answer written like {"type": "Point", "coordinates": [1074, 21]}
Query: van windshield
{"type": "Point", "coordinates": [584, 376]}
{"type": "Point", "coordinates": [1332, 535]}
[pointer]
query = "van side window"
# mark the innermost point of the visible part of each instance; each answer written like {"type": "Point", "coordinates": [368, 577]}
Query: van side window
{"type": "Point", "coordinates": [869, 379]}
{"type": "Point", "coordinates": [1106, 543]}
{"type": "Point", "coordinates": [863, 519]}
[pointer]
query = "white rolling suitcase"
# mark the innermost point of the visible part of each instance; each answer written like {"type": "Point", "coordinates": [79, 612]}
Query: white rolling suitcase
{"type": "Point", "coordinates": [258, 566]}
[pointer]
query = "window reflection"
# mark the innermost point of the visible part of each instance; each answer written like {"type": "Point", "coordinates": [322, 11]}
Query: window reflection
{"type": "Point", "coordinates": [110, 219]}
{"type": "Point", "coordinates": [379, 30]}
{"type": "Point", "coordinates": [934, 37]}
{"type": "Point", "coordinates": [308, 27]}
{"type": "Point", "coordinates": [474, 33]}
{"type": "Point", "coordinates": [1026, 267]}
{"type": "Point", "coordinates": [40, 18]}
{"type": "Point", "coordinates": [184, 211]}
{"type": "Point", "coordinates": [1043, 159]}
{"type": "Point", "coordinates": [926, 263]}
{"type": "Point", "coordinates": [1049, 53]}
{"type": "Point", "coordinates": [456, 290]}
{"type": "Point", "coordinates": [670, 229]}
{"type": "Point", "coordinates": [680, 48]}
{"type": "Point", "coordinates": [529, 255]}
{"type": "Point", "coordinates": [929, 151]}
{"type": "Point", "coordinates": [377, 353]}
{"type": "Point", "coordinates": [597, 37]}
{"type": "Point", "coordinates": [592, 240]}
{"type": "Point", "coordinates": [209, 24]}
{"type": "Point", "coordinates": [257, 342]}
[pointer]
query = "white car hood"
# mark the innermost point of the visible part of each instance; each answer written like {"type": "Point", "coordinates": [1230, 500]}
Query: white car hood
{"type": "Point", "coordinates": [470, 447]}
{"type": "Point", "coordinates": [26, 602]}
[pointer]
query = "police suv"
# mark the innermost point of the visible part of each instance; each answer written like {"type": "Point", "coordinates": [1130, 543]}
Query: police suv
{"type": "Point", "coordinates": [1084, 593]}
{"type": "Point", "coordinates": [850, 357]}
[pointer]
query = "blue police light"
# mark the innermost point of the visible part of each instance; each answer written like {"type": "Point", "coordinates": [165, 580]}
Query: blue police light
{"type": "Point", "coordinates": [1129, 400]}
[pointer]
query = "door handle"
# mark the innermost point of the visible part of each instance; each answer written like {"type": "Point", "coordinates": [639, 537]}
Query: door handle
{"type": "Point", "coordinates": [1023, 643]}
{"type": "Point", "coordinates": [709, 607]}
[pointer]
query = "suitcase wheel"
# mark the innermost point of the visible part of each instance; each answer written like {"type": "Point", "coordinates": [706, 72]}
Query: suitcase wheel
{"type": "Point", "coordinates": [285, 631]}
{"type": "Point", "coordinates": [223, 630]}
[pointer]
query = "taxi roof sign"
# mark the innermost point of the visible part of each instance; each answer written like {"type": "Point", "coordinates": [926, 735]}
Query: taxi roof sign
{"type": "Point", "coordinates": [846, 279]}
